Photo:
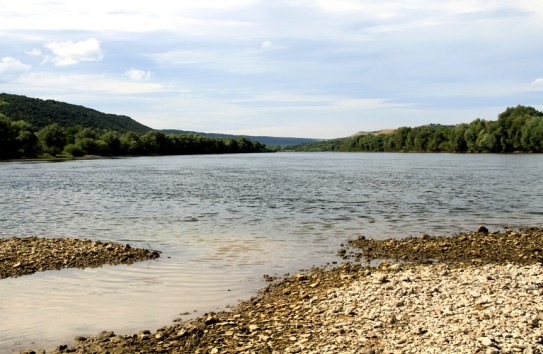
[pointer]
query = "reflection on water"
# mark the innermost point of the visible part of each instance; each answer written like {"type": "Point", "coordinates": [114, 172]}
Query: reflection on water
{"type": "Point", "coordinates": [224, 221]}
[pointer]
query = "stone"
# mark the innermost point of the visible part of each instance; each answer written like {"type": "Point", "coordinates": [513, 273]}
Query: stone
{"type": "Point", "coordinates": [482, 229]}
{"type": "Point", "coordinates": [211, 320]}
{"type": "Point", "coordinates": [24, 256]}
{"type": "Point", "coordinates": [421, 307]}
{"type": "Point", "coordinates": [485, 341]}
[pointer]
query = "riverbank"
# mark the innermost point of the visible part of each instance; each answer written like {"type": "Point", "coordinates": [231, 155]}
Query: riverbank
{"type": "Point", "coordinates": [444, 301]}
{"type": "Point", "coordinates": [24, 256]}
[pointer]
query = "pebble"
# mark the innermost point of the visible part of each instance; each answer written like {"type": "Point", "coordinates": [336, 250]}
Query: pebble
{"type": "Point", "coordinates": [460, 307]}
{"type": "Point", "coordinates": [460, 327]}
{"type": "Point", "coordinates": [27, 255]}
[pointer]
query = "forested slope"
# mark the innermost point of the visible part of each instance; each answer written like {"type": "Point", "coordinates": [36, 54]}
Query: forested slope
{"type": "Point", "coordinates": [518, 129]}
{"type": "Point", "coordinates": [40, 113]}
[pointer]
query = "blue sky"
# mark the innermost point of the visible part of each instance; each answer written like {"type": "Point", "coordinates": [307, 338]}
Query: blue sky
{"type": "Point", "coordinates": [303, 68]}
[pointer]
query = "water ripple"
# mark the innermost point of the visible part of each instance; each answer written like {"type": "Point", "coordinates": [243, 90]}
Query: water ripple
{"type": "Point", "coordinates": [223, 221]}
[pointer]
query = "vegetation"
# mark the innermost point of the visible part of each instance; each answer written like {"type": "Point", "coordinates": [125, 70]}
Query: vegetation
{"type": "Point", "coordinates": [32, 128]}
{"type": "Point", "coordinates": [518, 129]}
{"type": "Point", "coordinates": [18, 139]}
{"type": "Point", "coordinates": [266, 140]}
{"type": "Point", "coordinates": [41, 113]}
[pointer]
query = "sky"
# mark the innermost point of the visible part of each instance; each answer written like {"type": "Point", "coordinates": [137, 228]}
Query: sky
{"type": "Point", "coordinates": [297, 68]}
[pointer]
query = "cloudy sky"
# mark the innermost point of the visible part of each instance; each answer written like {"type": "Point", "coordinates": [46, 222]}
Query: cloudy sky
{"type": "Point", "coordinates": [303, 68]}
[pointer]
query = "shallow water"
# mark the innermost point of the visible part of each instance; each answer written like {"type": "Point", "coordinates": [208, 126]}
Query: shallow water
{"type": "Point", "coordinates": [224, 221]}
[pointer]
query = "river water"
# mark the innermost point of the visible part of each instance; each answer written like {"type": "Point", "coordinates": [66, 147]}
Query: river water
{"type": "Point", "coordinates": [222, 221]}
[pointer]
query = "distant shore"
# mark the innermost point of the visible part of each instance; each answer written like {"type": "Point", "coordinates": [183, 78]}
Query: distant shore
{"type": "Point", "coordinates": [471, 292]}
{"type": "Point", "coordinates": [63, 158]}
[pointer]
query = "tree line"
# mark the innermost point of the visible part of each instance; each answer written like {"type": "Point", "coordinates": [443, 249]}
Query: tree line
{"type": "Point", "coordinates": [18, 139]}
{"type": "Point", "coordinates": [518, 129]}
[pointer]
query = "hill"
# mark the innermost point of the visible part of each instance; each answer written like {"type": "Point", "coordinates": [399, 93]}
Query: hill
{"type": "Point", "coordinates": [266, 140]}
{"type": "Point", "coordinates": [40, 113]}
{"type": "Point", "coordinates": [376, 132]}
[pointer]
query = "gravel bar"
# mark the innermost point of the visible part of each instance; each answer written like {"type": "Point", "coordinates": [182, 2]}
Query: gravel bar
{"type": "Point", "coordinates": [450, 301]}
{"type": "Point", "coordinates": [27, 255]}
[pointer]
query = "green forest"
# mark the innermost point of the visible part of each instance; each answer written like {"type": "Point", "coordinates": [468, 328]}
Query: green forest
{"type": "Point", "coordinates": [518, 129]}
{"type": "Point", "coordinates": [31, 128]}
{"type": "Point", "coordinates": [41, 113]}
{"type": "Point", "coordinates": [36, 128]}
{"type": "Point", "coordinates": [19, 139]}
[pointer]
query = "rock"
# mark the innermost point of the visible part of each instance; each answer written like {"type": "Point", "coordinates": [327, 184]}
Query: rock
{"type": "Point", "coordinates": [24, 256]}
{"type": "Point", "coordinates": [211, 320]}
{"type": "Point", "coordinates": [491, 307]}
{"type": "Point", "coordinates": [349, 311]}
{"type": "Point", "coordinates": [485, 341]}
{"type": "Point", "coordinates": [482, 229]}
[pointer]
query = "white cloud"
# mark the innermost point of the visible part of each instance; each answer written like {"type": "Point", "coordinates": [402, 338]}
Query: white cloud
{"type": "Point", "coordinates": [329, 59]}
{"type": "Point", "coordinates": [136, 75]}
{"type": "Point", "coordinates": [106, 15]}
{"type": "Point", "coordinates": [538, 82]}
{"type": "Point", "coordinates": [11, 68]}
{"type": "Point", "coordinates": [266, 44]}
{"type": "Point", "coordinates": [87, 83]}
{"type": "Point", "coordinates": [34, 52]}
{"type": "Point", "coordinates": [69, 53]}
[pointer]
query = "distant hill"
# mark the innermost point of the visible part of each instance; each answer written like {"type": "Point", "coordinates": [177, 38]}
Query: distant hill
{"type": "Point", "coordinates": [266, 140]}
{"type": "Point", "coordinates": [40, 113]}
{"type": "Point", "coordinates": [376, 132]}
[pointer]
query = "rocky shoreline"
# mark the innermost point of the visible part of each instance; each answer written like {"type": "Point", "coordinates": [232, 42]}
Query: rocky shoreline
{"type": "Point", "coordinates": [476, 292]}
{"type": "Point", "coordinates": [27, 255]}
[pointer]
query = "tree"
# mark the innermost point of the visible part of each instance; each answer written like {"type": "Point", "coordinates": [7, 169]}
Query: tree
{"type": "Point", "coordinates": [488, 139]}
{"type": "Point", "coordinates": [26, 140]}
{"type": "Point", "coordinates": [532, 135]}
{"type": "Point", "coordinates": [131, 144]}
{"type": "Point", "coordinates": [7, 139]}
{"type": "Point", "coordinates": [511, 122]}
{"type": "Point", "coordinates": [472, 133]}
{"type": "Point", "coordinates": [156, 143]}
{"type": "Point", "coordinates": [423, 134]}
{"type": "Point", "coordinates": [113, 142]}
{"type": "Point", "coordinates": [457, 140]}
{"type": "Point", "coordinates": [53, 139]}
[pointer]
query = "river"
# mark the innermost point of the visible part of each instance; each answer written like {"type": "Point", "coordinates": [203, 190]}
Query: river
{"type": "Point", "coordinates": [222, 221]}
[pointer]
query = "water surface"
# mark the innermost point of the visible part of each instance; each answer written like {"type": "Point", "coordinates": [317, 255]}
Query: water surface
{"type": "Point", "coordinates": [224, 221]}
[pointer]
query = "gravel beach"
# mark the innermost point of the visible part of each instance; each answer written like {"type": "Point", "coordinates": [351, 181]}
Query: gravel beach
{"type": "Point", "coordinates": [27, 255]}
{"type": "Point", "coordinates": [475, 292]}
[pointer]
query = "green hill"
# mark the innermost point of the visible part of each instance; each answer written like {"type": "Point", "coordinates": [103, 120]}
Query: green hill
{"type": "Point", "coordinates": [40, 113]}
{"type": "Point", "coordinates": [266, 140]}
